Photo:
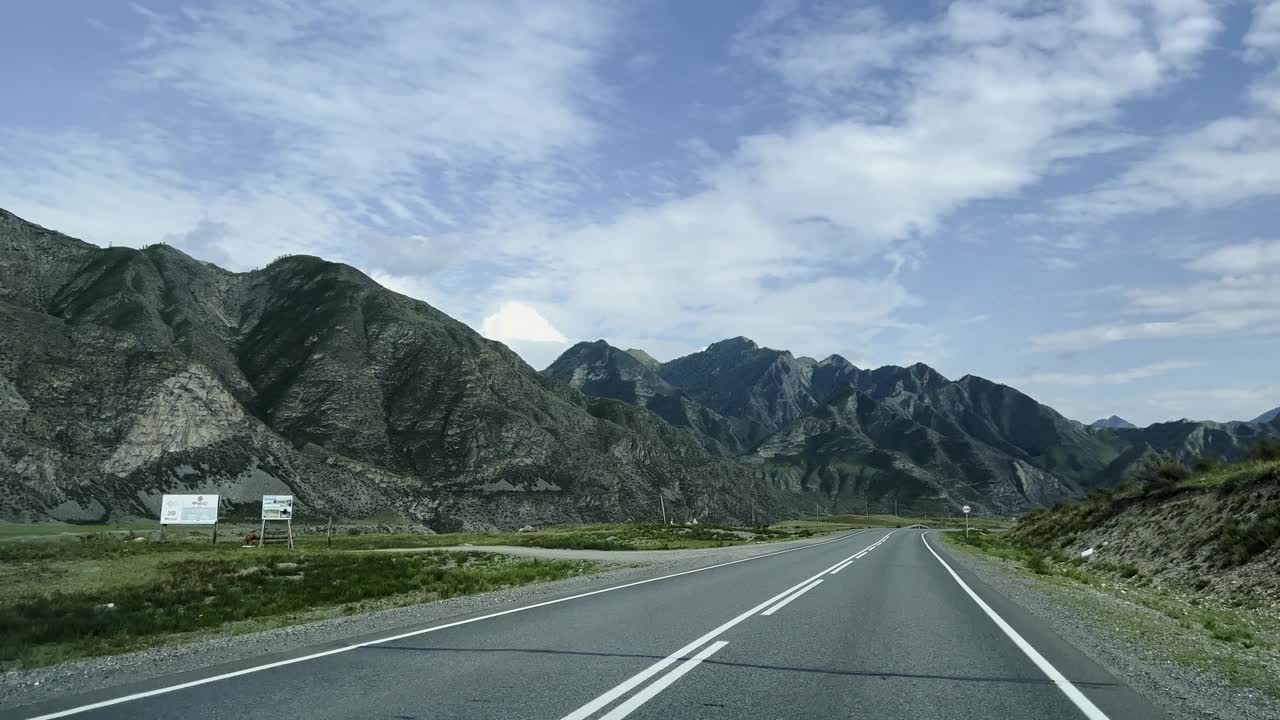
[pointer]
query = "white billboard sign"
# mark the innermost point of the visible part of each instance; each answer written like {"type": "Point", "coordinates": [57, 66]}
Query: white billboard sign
{"type": "Point", "coordinates": [189, 510]}
{"type": "Point", "coordinates": [277, 507]}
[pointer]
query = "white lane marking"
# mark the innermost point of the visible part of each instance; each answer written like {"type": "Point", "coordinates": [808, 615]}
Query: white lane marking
{"type": "Point", "coordinates": [860, 554]}
{"type": "Point", "coordinates": [401, 636]}
{"type": "Point", "coordinates": [787, 600]}
{"type": "Point", "coordinates": [632, 682]}
{"type": "Point", "coordinates": [661, 683]}
{"type": "Point", "coordinates": [1073, 694]}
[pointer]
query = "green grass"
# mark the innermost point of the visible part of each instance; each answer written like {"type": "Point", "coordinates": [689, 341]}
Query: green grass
{"type": "Point", "coordinates": [62, 600]}
{"type": "Point", "coordinates": [580, 537]}
{"type": "Point", "coordinates": [1240, 644]}
{"type": "Point", "coordinates": [894, 521]}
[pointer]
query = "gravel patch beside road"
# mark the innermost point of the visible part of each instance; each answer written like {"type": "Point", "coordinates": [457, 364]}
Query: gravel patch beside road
{"type": "Point", "coordinates": [1184, 693]}
{"type": "Point", "coordinates": [23, 687]}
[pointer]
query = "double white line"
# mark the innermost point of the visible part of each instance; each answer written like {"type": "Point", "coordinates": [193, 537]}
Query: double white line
{"type": "Point", "coordinates": [858, 556]}
{"type": "Point", "coordinates": [768, 607]}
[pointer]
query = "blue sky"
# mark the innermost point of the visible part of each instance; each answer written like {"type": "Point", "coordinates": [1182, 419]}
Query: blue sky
{"type": "Point", "coordinates": [1078, 199]}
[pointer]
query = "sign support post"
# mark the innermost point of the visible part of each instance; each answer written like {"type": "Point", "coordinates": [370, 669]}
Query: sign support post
{"type": "Point", "coordinates": [966, 510]}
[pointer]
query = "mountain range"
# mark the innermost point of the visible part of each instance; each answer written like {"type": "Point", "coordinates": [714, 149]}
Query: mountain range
{"type": "Point", "coordinates": [909, 437]}
{"type": "Point", "coordinates": [128, 373]}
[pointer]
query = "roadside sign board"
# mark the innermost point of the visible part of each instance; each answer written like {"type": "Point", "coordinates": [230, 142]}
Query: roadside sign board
{"type": "Point", "coordinates": [965, 509]}
{"type": "Point", "coordinates": [189, 510]}
{"type": "Point", "coordinates": [277, 507]}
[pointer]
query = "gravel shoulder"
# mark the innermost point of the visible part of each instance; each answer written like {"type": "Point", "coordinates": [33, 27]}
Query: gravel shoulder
{"type": "Point", "coordinates": [1133, 642]}
{"type": "Point", "coordinates": [607, 556]}
{"type": "Point", "coordinates": [23, 687]}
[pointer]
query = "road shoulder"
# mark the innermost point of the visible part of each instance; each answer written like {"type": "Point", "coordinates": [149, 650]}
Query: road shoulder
{"type": "Point", "coordinates": [24, 687]}
{"type": "Point", "coordinates": [1100, 624]}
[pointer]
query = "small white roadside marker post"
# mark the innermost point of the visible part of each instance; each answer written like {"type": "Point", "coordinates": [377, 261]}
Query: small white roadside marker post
{"type": "Point", "coordinates": [966, 510]}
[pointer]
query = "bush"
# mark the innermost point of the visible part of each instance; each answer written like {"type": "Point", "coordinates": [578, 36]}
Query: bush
{"type": "Point", "coordinates": [1267, 450]}
{"type": "Point", "coordinates": [1205, 464]}
{"type": "Point", "coordinates": [1038, 563]}
{"type": "Point", "coordinates": [1164, 474]}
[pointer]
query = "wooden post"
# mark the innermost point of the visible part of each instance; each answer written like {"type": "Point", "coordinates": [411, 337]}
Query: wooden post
{"type": "Point", "coordinates": [328, 534]}
{"type": "Point", "coordinates": [161, 532]}
{"type": "Point", "coordinates": [262, 534]}
{"type": "Point", "coordinates": [663, 505]}
{"type": "Point", "coordinates": [215, 533]}
{"type": "Point", "coordinates": [289, 527]}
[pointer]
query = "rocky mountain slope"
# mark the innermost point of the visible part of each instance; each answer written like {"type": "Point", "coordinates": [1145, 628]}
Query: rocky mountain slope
{"type": "Point", "coordinates": [128, 373]}
{"type": "Point", "coordinates": [857, 439]}
{"type": "Point", "coordinates": [1267, 416]}
{"type": "Point", "coordinates": [1113, 422]}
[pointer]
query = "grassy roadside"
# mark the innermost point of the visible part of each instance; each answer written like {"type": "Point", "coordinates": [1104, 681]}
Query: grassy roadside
{"type": "Point", "coordinates": [63, 600]}
{"type": "Point", "coordinates": [64, 595]}
{"type": "Point", "coordinates": [610, 536]}
{"type": "Point", "coordinates": [1240, 644]}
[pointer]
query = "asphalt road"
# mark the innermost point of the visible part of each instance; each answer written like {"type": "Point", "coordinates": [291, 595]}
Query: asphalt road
{"type": "Point", "coordinates": [898, 632]}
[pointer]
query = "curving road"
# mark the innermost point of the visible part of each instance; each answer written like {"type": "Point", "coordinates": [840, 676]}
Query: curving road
{"type": "Point", "coordinates": [874, 624]}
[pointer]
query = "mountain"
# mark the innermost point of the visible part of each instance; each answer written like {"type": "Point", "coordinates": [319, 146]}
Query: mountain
{"type": "Point", "coordinates": [736, 378]}
{"type": "Point", "coordinates": [863, 437]}
{"type": "Point", "coordinates": [125, 374]}
{"type": "Point", "coordinates": [601, 370]}
{"type": "Point", "coordinates": [1112, 422]}
{"type": "Point", "coordinates": [645, 358]}
{"type": "Point", "coordinates": [858, 438]}
{"type": "Point", "coordinates": [1267, 416]}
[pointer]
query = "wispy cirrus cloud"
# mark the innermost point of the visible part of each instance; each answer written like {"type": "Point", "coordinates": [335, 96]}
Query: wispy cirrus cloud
{"type": "Point", "coordinates": [1118, 377]}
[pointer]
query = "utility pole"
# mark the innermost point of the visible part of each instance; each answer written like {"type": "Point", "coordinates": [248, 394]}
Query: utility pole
{"type": "Point", "coordinates": [663, 505]}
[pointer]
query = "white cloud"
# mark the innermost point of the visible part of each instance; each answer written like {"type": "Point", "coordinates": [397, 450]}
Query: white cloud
{"type": "Point", "coordinates": [1263, 37]}
{"type": "Point", "coordinates": [517, 321]}
{"type": "Point", "coordinates": [1251, 257]}
{"type": "Point", "coordinates": [1242, 298]}
{"type": "Point", "coordinates": [1119, 377]}
{"type": "Point", "coordinates": [312, 124]}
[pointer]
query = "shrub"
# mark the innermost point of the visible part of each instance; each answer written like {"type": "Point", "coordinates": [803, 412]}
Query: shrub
{"type": "Point", "coordinates": [1164, 474]}
{"type": "Point", "coordinates": [1205, 464]}
{"type": "Point", "coordinates": [1266, 449]}
{"type": "Point", "coordinates": [1038, 563]}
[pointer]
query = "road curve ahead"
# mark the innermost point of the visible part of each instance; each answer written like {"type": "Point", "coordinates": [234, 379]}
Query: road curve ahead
{"type": "Point", "coordinates": [879, 624]}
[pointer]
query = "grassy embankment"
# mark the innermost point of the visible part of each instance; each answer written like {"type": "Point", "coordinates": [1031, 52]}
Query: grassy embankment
{"type": "Point", "coordinates": [72, 595]}
{"type": "Point", "coordinates": [1185, 565]}
{"type": "Point", "coordinates": [61, 600]}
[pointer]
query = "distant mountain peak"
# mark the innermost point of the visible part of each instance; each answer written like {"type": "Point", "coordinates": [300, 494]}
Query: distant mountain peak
{"type": "Point", "coordinates": [645, 358]}
{"type": "Point", "coordinates": [1114, 422]}
{"type": "Point", "coordinates": [1267, 416]}
{"type": "Point", "coordinates": [733, 343]}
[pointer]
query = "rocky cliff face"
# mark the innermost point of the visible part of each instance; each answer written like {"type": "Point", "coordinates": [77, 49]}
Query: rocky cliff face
{"type": "Point", "coordinates": [600, 370]}
{"type": "Point", "coordinates": [853, 438]}
{"type": "Point", "coordinates": [128, 373]}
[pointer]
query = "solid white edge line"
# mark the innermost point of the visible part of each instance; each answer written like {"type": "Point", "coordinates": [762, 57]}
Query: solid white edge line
{"type": "Point", "coordinates": [661, 683]}
{"type": "Point", "coordinates": [788, 599]}
{"type": "Point", "coordinates": [1073, 694]}
{"type": "Point", "coordinates": [401, 636]}
{"type": "Point", "coordinates": [632, 682]}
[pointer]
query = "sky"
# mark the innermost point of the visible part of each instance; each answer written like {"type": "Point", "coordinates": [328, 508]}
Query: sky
{"type": "Point", "coordinates": [1075, 198]}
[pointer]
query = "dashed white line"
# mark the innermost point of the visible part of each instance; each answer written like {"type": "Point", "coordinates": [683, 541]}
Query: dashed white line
{"type": "Point", "coordinates": [661, 683]}
{"type": "Point", "coordinates": [1073, 693]}
{"type": "Point", "coordinates": [636, 680]}
{"type": "Point", "coordinates": [788, 599]}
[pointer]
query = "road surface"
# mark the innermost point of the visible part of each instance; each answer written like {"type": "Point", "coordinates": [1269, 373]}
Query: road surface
{"type": "Point", "coordinates": [879, 624]}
